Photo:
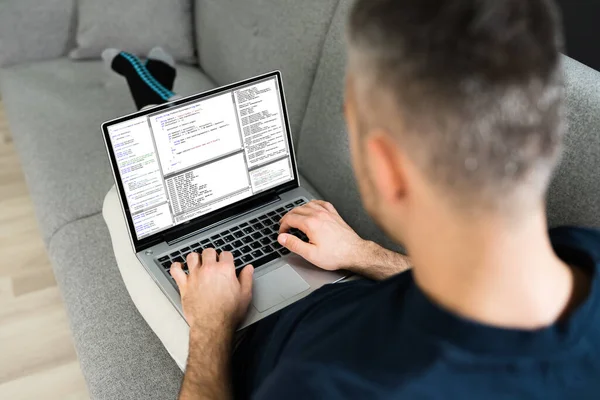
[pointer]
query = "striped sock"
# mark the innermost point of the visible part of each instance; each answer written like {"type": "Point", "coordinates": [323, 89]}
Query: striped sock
{"type": "Point", "coordinates": [145, 88]}
{"type": "Point", "coordinates": [162, 66]}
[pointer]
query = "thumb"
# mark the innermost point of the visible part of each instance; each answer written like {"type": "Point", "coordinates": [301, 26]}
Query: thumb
{"type": "Point", "coordinates": [246, 281]}
{"type": "Point", "coordinates": [296, 245]}
{"type": "Point", "coordinates": [179, 276]}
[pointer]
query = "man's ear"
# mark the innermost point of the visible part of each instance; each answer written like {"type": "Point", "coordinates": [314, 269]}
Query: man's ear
{"type": "Point", "coordinates": [384, 163]}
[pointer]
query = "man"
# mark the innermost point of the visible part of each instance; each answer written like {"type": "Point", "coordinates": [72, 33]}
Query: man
{"type": "Point", "coordinates": [455, 116]}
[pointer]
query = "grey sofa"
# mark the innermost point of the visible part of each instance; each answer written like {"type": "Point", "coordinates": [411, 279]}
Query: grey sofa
{"type": "Point", "coordinates": [55, 107]}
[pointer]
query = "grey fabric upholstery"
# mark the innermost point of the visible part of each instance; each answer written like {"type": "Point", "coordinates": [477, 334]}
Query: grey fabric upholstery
{"type": "Point", "coordinates": [135, 26]}
{"type": "Point", "coordinates": [35, 30]}
{"type": "Point", "coordinates": [323, 152]}
{"type": "Point", "coordinates": [54, 110]}
{"type": "Point", "coordinates": [241, 39]}
{"type": "Point", "coordinates": [574, 197]}
{"type": "Point", "coordinates": [120, 356]}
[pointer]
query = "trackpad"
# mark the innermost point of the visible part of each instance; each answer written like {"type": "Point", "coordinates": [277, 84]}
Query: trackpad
{"type": "Point", "coordinates": [276, 287]}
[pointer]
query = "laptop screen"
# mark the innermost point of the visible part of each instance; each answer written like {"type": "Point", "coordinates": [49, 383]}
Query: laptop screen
{"type": "Point", "coordinates": [195, 158]}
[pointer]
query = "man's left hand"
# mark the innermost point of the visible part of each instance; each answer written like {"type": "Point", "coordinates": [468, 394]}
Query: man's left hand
{"type": "Point", "coordinates": [212, 295]}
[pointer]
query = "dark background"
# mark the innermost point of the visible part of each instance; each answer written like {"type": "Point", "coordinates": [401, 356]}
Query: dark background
{"type": "Point", "coordinates": [582, 29]}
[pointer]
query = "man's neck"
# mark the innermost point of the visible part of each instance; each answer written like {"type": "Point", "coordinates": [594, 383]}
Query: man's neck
{"type": "Point", "coordinates": [496, 273]}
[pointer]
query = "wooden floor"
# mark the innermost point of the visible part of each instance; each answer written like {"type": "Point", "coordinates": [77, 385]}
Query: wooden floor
{"type": "Point", "coordinates": [37, 358]}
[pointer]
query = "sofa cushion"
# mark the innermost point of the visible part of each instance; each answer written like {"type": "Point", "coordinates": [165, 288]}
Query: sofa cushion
{"type": "Point", "coordinates": [135, 26]}
{"type": "Point", "coordinates": [120, 356]}
{"type": "Point", "coordinates": [238, 39]}
{"type": "Point", "coordinates": [54, 110]}
{"type": "Point", "coordinates": [35, 30]}
{"type": "Point", "coordinates": [574, 196]}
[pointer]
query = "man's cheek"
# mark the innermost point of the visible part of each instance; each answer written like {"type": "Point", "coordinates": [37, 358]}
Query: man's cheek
{"type": "Point", "coordinates": [355, 156]}
{"type": "Point", "coordinates": [365, 188]}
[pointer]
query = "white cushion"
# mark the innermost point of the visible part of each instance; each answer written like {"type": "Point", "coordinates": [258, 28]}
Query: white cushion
{"type": "Point", "coordinates": [153, 305]}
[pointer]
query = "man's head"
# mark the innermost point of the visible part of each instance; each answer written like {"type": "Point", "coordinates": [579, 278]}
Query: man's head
{"type": "Point", "coordinates": [453, 102]}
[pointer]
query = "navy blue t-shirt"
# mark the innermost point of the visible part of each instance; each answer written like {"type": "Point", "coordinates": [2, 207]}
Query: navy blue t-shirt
{"type": "Point", "coordinates": [387, 340]}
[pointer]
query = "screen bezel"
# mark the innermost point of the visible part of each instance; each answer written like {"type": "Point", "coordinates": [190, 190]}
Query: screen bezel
{"type": "Point", "coordinates": [211, 218]}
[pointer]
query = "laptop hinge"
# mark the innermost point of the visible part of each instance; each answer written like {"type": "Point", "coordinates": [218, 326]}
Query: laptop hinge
{"type": "Point", "coordinates": [274, 200]}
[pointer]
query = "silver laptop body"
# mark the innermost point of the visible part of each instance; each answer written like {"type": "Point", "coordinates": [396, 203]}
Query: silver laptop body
{"type": "Point", "coordinates": [216, 170]}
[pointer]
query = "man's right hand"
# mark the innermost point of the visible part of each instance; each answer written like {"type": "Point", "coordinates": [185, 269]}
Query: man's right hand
{"type": "Point", "coordinates": [333, 244]}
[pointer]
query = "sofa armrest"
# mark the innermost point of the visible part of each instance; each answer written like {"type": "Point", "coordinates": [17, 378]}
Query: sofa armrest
{"type": "Point", "coordinates": [33, 30]}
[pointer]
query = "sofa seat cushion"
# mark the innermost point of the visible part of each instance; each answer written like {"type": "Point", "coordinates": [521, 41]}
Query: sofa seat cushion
{"type": "Point", "coordinates": [54, 110]}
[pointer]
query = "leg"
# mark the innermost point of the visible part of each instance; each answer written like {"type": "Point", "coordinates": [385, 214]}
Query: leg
{"type": "Point", "coordinates": [155, 308]}
{"type": "Point", "coordinates": [162, 66]}
{"type": "Point", "coordinates": [144, 87]}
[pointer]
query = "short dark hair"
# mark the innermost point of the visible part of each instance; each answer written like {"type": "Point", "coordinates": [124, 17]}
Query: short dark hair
{"type": "Point", "coordinates": [477, 83]}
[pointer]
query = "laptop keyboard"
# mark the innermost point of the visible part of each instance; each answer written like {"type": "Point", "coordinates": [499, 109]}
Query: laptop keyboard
{"type": "Point", "coordinates": [251, 242]}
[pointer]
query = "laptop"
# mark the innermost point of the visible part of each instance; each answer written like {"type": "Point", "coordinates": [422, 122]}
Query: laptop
{"type": "Point", "coordinates": [215, 170]}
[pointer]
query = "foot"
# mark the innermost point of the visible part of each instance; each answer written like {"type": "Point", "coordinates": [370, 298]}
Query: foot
{"type": "Point", "coordinates": [162, 66]}
{"type": "Point", "coordinates": [145, 88]}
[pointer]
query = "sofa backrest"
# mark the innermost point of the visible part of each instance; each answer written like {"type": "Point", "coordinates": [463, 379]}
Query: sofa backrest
{"type": "Point", "coordinates": [238, 39]}
{"type": "Point", "coordinates": [574, 197]}
{"type": "Point", "coordinates": [323, 152]}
